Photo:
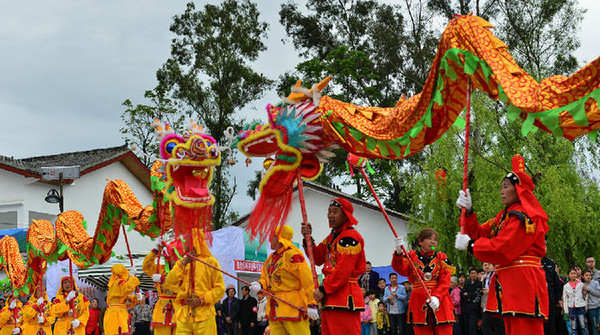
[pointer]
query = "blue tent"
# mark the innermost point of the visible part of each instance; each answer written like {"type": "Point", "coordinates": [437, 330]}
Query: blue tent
{"type": "Point", "coordinates": [384, 272]}
{"type": "Point", "coordinates": [20, 234]}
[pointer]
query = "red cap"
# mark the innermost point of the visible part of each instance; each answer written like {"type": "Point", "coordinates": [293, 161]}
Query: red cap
{"type": "Point", "coordinates": [346, 207]}
{"type": "Point", "coordinates": [525, 188]}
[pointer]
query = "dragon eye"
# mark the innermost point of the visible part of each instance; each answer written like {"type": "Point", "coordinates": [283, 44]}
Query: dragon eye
{"type": "Point", "coordinates": [170, 146]}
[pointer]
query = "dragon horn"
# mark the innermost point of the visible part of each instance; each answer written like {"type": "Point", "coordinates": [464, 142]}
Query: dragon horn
{"type": "Point", "coordinates": [300, 94]}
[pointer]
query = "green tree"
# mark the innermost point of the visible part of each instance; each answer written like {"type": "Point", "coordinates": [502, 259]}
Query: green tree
{"type": "Point", "coordinates": [209, 76]}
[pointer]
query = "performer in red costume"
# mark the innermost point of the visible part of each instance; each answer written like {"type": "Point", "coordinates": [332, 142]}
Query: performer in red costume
{"type": "Point", "coordinates": [434, 316]}
{"type": "Point", "coordinates": [515, 240]}
{"type": "Point", "coordinates": [343, 258]}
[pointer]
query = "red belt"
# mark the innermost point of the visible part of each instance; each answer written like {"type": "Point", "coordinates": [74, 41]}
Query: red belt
{"type": "Point", "coordinates": [522, 261]}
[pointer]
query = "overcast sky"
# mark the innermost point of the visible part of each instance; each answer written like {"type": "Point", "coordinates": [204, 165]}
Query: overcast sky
{"type": "Point", "coordinates": [66, 67]}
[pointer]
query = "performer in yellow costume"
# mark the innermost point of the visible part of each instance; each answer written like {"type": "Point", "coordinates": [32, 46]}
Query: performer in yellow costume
{"type": "Point", "coordinates": [70, 308]}
{"type": "Point", "coordinates": [194, 307]}
{"type": "Point", "coordinates": [286, 275]}
{"type": "Point", "coordinates": [163, 317]}
{"type": "Point", "coordinates": [11, 317]}
{"type": "Point", "coordinates": [36, 314]}
{"type": "Point", "coordinates": [121, 286]}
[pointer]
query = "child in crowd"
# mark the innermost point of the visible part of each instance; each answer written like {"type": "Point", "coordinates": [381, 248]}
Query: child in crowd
{"type": "Point", "coordinates": [383, 320]}
{"type": "Point", "coordinates": [574, 303]}
{"type": "Point", "coordinates": [591, 291]}
{"type": "Point", "coordinates": [373, 303]}
{"type": "Point", "coordinates": [365, 316]}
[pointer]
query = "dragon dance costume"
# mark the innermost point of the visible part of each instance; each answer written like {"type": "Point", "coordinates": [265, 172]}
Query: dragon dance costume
{"type": "Point", "coordinates": [68, 311]}
{"type": "Point", "coordinates": [11, 318]}
{"type": "Point", "coordinates": [515, 241]}
{"type": "Point", "coordinates": [287, 275]}
{"type": "Point", "coordinates": [343, 258]}
{"type": "Point", "coordinates": [436, 270]}
{"type": "Point", "coordinates": [163, 316]}
{"type": "Point", "coordinates": [119, 298]}
{"type": "Point", "coordinates": [33, 313]}
{"type": "Point", "coordinates": [205, 284]}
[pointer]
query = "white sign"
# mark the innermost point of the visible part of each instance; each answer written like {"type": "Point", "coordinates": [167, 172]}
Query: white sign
{"type": "Point", "coordinates": [53, 172]}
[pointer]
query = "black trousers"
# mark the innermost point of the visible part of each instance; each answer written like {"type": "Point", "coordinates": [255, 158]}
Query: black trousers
{"type": "Point", "coordinates": [492, 326]}
{"type": "Point", "coordinates": [470, 322]}
{"type": "Point", "coordinates": [395, 324]}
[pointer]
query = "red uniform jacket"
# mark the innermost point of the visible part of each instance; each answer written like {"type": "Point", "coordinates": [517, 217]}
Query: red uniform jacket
{"type": "Point", "coordinates": [436, 270]}
{"type": "Point", "coordinates": [516, 245]}
{"type": "Point", "coordinates": [342, 255]}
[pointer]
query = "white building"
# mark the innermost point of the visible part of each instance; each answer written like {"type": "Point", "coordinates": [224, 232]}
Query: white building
{"type": "Point", "coordinates": [22, 191]}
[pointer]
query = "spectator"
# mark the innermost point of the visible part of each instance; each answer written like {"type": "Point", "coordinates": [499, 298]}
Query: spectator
{"type": "Point", "coordinates": [578, 269]}
{"type": "Point", "coordinates": [455, 296]}
{"type": "Point", "coordinates": [365, 315]}
{"type": "Point", "coordinates": [373, 303]}
{"type": "Point", "coordinates": [480, 274]}
{"type": "Point", "coordinates": [219, 319]}
{"type": "Point", "coordinates": [141, 318]}
{"type": "Point", "coordinates": [247, 319]}
{"type": "Point", "coordinates": [491, 324]}
{"type": "Point", "coordinates": [381, 285]}
{"type": "Point", "coordinates": [394, 297]}
{"type": "Point", "coordinates": [591, 292]}
{"type": "Point", "coordinates": [383, 320]}
{"type": "Point", "coordinates": [462, 279]}
{"type": "Point", "coordinates": [230, 311]}
{"type": "Point", "coordinates": [369, 279]}
{"type": "Point", "coordinates": [471, 302]}
{"type": "Point", "coordinates": [408, 327]}
{"type": "Point", "coordinates": [261, 314]}
{"type": "Point", "coordinates": [93, 325]}
{"type": "Point", "coordinates": [555, 285]}
{"type": "Point", "coordinates": [590, 262]}
{"type": "Point", "coordinates": [574, 303]}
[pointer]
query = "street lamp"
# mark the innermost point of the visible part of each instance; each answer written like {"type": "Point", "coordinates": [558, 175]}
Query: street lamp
{"type": "Point", "coordinates": [54, 197]}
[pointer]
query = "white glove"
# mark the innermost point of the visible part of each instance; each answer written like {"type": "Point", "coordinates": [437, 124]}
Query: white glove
{"type": "Point", "coordinates": [464, 200]}
{"type": "Point", "coordinates": [75, 323]}
{"type": "Point", "coordinates": [40, 319]}
{"type": "Point", "coordinates": [71, 295]}
{"type": "Point", "coordinates": [434, 303]}
{"type": "Point", "coordinates": [132, 271]}
{"type": "Point", "coordinates": [40, 301]}
{"type": "Point", "coordinates": [462, 241]}
{"type": "Point", "coordinates": [313, 313]}
{"type": "Point", "coordinates": [13, 304]}
{"type": "Point", "coordinates": [157, 277]}
{"type": "Point", "coordinates": [255, 287]}
{"type": "Point", "coordinates": [139, 296]}
{"type": "Point", "coordinates": [399, 243]}
{"type": "Point", "coordinates": [16, 330]}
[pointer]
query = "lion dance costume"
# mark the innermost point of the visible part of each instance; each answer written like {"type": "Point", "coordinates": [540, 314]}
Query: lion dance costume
{"type": "Point", "coordinates": [36, 316]}
{"type": "Point", "coordinates": [120, 288]}
{"type": "Point", "coordinates": [11, 318]}
{"type": "Point", "coordinates": [342, 255]}
{"type": "Point", "coordinates": [436, 271]}
{"type": "Point", "coordinates": [515, 239]}
{"type": "Point", "coordinates": [196, 280]}
{"type": "Point", "coordinates": [68, 310]}
{"type": "Point", "coordinates": [163, 316]}
{"type": "Point", "coordinates": [287, 275]}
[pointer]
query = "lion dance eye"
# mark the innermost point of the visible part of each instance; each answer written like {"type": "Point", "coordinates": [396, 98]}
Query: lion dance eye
{"type": "Point", "coordinates": [170, 146]}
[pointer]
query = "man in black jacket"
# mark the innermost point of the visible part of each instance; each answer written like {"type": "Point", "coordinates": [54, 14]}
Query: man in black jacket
{"type": "Point", "coordinates": [230, 310]}
{"type": "Point", "coordinates": [247, 312]}
{"type": "Point", "coordinates": [471, 302]}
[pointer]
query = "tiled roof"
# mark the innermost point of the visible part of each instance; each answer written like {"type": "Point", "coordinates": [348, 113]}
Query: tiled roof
{"type": "Point", "coordinates": [86, 159]}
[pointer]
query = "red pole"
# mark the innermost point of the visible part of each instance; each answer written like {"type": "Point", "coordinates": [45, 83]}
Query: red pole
{"type": "Point", "coordinates": [245, 282]}
{"type": "Point", "coordinates": [127, 243]}
{"type": "Point", "coordinates": [463, 212]}
{"type": "Point", "coordinates": [307, 239]}
{"type": "Point", "coordinates": [389, 222]}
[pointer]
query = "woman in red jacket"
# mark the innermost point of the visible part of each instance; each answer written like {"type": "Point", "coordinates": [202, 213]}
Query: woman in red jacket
{"type": "Point", "coordinates": [428, 316]}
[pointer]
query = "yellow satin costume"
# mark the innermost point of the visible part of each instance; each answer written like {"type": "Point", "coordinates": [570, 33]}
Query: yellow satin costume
{"type": "Point", "coordinates": [31, 313]}
{"type": "Point", "coordinates": [120, 288]}
{"type": "Point", "coordinates": [163, 316]}
{"type": "Point", "coordinates": [65, 312]}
